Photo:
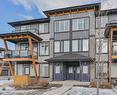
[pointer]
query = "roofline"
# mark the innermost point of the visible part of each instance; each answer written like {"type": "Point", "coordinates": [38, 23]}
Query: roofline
{"type": "Point", "coordinates": [71, 8]}
{"type": "Point", "coordinates": [25, 22]}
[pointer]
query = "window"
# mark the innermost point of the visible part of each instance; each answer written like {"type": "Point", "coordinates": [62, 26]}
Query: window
{"type": "Point", "coordinates": [104, 21]}
{"type": "Point", "coordinates": [80, 24]}
{"type": "Point", "coordinates": [43, 28]}
{"type": "Point", "coordinates": [70, 70]}
{"type": "Point", "coordinates": [103, 45]}
{"type": "Point", "coordinates": [61, 26]}
{"type": "Point", "coordinates": [85, 45]}
{"type": "Point", "coordinates": [25, 27]}
{"type": "Point", "coordinates": [26, 68]}
{"type": "Point", "coordinates": [66, 46]}
{"type": "Point", "coordinates": [24, 46]}
{"type": "Point", "coordinates": [57, 69]}
{"type": "Point", "coordinates": [44, 48]}
{"type": "Point", "coordinates": [114, 48]}
{"type": "Point", "coordinates": [44, 70]}
{"type": "Point", "coordinates": [102, 67]}
{"type": "Point", "coordinates": [57, 46]}
{"type": "Point", "coordinates": [75, 45]}
{"type": "Point", "coordinates": [61, 46]}
{"type": "Point", "coordinates": [35, 47]}
{"type": "Point", "coordinates": [80, 45]}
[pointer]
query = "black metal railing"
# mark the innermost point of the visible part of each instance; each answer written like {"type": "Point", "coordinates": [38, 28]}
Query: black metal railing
{"type": "Point", "coordinates": [18, 54]}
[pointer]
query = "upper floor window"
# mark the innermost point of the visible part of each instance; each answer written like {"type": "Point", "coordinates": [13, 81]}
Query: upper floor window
{"type": "Point", "coordinates": [61, 46]}
{"type": "Point", "coordinates": [101, 22]}
{"type": "Point", "coordinates": [62, 26]}
{"type": "Point", "coordinates": [24, 46]}
{"type": "Point", "coordinates": [43, 28]}
{"type": "Point", "coordinates": [101, 46]}
{"type": "Point", "coordinates": [25, 27]}
{"type": "Point", "coordinates": [80, 24]}
{"type": "Point", "coordinates": [44, 48]}
{"type": "Point", "coordinates": [80, 45]}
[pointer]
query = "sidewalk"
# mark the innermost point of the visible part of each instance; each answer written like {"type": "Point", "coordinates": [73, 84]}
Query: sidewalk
{"type": "Point", "coordinates": [58, 91]}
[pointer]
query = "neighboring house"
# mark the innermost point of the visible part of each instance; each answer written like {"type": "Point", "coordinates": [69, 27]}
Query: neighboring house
{"type": "Point", "coordinates": [70, 41]}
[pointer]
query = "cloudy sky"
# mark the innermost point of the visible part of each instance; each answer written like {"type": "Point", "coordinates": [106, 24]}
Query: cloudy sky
{"type": "Point", "coordinates": [14, 10]}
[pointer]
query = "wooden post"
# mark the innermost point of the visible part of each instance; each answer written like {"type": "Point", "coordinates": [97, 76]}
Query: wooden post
{"type": "Point", "coordinates": [10, 66]}
{"type": "Point", "coordinates": [33, 59]}
{"type": "Point", "coordinates": [110, 56]}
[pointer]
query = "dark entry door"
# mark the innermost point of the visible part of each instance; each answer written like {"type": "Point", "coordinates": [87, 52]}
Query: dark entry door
{"type": "Point", "coordinates": [73, 73]}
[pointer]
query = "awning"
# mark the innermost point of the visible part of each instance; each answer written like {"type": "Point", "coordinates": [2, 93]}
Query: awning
{"type": "Point", "coordinates": [70, 57]}
{"type": "Point", "coordinates": [19, 36]}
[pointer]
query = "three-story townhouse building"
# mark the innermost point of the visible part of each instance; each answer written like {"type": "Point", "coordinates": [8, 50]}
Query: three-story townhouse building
{"type": "Point", "coordinates": [69, 49]}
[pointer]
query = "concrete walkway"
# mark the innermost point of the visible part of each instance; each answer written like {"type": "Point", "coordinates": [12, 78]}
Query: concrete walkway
{"type": "Point", "coordinates": [58, 91]}
{"type": "Point", "coordinates": [67, 85]}
{"type": "Point", "coordinates": [71, 83]}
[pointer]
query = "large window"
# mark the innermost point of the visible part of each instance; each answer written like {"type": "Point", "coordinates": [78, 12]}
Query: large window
{"type": "Point", "coordinates": [44, 48]}
{"type": "Point", "coordinates": [80, 24]}
{"type": "Point", "coordinates": [25, 27]}
{"type": "Point", "coordinates": [44, 70]}
{"type": "Point", "coordinates": [101, 46]}
{"type": "Point", "coordinates": [57, 46]}
{"type": "Point", "coordinates": [85, 45]}
{"type": "Point", "coordinates": [114, 48]}
{"type": "Point", "coordinates": [66, 46]}
{"type": "Point", "coordinates": [61, 46]}
{"type": "Point", "coordinates": [43, 28]}
{"type": "Point", "coordinates": [75, 45]}
{"type": "Point", "coordinates": [62, 26]}
{"type": "Point", "coordinates": [103, 20]}
{"type": "Point", "coordinates": [80, 45]}
{"type": "Point", "coordinates": [23, 46]}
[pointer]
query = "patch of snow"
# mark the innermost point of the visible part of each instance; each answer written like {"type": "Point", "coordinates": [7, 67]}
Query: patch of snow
{"type": "Point", "coordinates": [90, 91]}
{"type": "Point", "coordinates": [3, 82]}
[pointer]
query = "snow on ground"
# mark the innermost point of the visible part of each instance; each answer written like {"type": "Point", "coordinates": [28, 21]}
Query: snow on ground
{"type": "Point", "coordinates": [89, 91]}
{"type": "Point", "coordinates": [4, 85]}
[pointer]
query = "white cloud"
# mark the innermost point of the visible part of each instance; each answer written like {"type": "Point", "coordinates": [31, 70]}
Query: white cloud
{"type": "Point", "coordinates": [25, 3]}
{"type": "Point", "coordinates": [108, 4]}
{"type": "Point", "coordinates": [27, 17]}
{"type": "Point", "coordinates": [50, 4]}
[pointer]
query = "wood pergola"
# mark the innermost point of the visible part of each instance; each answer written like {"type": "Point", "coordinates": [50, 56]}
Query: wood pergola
{"type": "Point", "coordinates": [16, 37]}
{"type": "Point", "coordinates": [109, 33]}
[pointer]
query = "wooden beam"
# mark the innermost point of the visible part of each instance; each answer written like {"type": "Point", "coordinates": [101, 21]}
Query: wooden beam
{"type": "Point", "coordinates": [15, 37]}
{"type": "Point", "coordinates": [17, 59]}
{"type": "Point", "coordinates": [33, 59]}
{"type": "Point", "coordinates": [10, 66]}
{"type": "Point", "coordinates": [114, 28]}
{"type": "Point", "coordinates": [1, 69]}
{"type": "Point", "coordinates": [110, 56]}
{"type": "Point", "coordinates": [71, 12]}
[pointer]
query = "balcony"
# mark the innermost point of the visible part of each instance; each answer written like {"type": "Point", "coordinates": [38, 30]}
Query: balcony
{"type": "Point", "coordinates": [17, 54]}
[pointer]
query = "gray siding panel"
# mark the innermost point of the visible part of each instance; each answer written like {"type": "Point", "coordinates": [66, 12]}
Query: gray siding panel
{"type": "Point", "coordinates": [80, 34]}
{"type": "Point", "coordinates": [92, 23]}
{"type": "Point", "coordinates": [113, 17]}
{"type": "Point", "coordinates": [92, 47]}
{"type": "Point", "coordinates": [61, 36]}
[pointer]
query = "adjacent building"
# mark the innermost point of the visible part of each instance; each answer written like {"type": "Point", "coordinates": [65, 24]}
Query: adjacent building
{"type": "Point", "coordinates": [68, 44]}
